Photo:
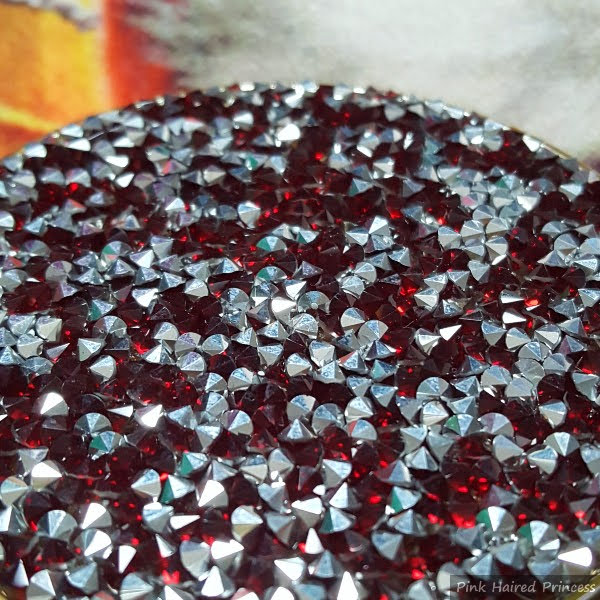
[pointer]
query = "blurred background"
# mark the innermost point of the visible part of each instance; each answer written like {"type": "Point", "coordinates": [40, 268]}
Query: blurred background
{"type": "Point", "coordinates": [531, 64]}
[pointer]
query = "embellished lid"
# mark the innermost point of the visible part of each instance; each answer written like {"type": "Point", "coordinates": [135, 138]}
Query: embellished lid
{"type": "Point", "coordinates": [296, 342]}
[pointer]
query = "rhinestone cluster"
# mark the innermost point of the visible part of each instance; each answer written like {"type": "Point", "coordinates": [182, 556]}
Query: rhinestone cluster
{"type": "Point", "coordinates": [296, 343]}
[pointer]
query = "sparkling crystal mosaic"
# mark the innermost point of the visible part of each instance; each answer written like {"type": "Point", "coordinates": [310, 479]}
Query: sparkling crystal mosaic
{"type": "Point", "coordinates": [296, 343]}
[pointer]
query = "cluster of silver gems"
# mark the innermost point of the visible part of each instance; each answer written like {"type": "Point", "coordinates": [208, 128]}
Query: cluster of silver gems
{"type": "Point", "coordinates": [299, 342]}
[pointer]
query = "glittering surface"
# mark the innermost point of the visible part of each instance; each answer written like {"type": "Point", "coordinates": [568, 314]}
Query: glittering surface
{"type": "Point", "coordinates": [303, 342]}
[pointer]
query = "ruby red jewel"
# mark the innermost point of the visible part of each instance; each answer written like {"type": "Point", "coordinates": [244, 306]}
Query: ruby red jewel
{"type": "Point", "coordinates": [297, 343]}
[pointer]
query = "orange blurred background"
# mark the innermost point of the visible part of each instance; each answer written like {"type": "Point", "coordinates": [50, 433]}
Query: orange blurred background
{"type": "Point", "coordinates": [64, 73]}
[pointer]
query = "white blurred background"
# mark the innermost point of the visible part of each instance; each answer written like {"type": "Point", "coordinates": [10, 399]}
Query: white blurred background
{"type": "Point", "coordinates": [532, 64]}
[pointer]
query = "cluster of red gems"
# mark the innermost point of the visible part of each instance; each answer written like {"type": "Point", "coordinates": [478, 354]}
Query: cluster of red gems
{"type": "Point", "coordinates": [303, 342]}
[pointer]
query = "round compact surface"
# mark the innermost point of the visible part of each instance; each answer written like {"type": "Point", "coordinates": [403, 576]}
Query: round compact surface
{"type": "Point", "coordinates": [297, 343]}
